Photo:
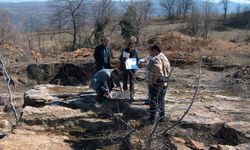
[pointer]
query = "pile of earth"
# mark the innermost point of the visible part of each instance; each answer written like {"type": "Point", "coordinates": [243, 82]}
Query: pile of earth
{"type": "Point", "coordinates": [186, 49]}
{"type": "Point", "coordinates": [14, 54]}
{"type": "Point", "coordinates": [85, 54]}
{"type": "Point", "coordinates": [238, 82]}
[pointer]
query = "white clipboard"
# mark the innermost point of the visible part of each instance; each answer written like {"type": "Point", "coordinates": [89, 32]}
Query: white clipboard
{"type": "Point", "coordinates": [131, 63]}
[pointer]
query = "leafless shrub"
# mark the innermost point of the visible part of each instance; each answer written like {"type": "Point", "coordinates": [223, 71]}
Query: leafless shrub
{"type": "Point", "coordinates": [70, 14]}
{"type": "Point", "coordinates": [207, 11]}
{"type": "Point", "coordinates": [135, 18]}
{"type": "Point", "coordinates": [6, 27]}
{"type": "Point", "coordinates": [103, 12]}
{"type": "Point", "coordinates": [225, 4]}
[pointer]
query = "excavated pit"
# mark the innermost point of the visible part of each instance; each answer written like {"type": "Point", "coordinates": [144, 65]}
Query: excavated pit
{"type": "Point", "coordinates": [61, 73]}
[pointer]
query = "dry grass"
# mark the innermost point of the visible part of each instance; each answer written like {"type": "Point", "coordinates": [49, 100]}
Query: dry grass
{"type": "Point", "coordinates": [238, 35]}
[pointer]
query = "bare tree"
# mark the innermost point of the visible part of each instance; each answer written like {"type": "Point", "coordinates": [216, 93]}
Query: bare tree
{"type": "Point", "coordinates": [207, 9]}
{"type": "Point", "coordinates": [103, 12]}
{"type": "Point", "coordinates": [185, 5]}
{"type": "Point", "coordinates": [29, 29]}
{"type": "Point", "coordinates": [225, 8]}
{"type": "Point", "coordinates": [178, 9]}
{"type": "Point", "coordinates": [238, 9]}
{"type": "Point", "coordinates": [194, 23]}
{"type": "Point", "coordinates": [135, 18]}
{"type": "Point", "coordinates": [169, 6]}
{"type": "Point", "coordinates": [6, 27]}
{"type": "Point", "coordinates": [71, 12]}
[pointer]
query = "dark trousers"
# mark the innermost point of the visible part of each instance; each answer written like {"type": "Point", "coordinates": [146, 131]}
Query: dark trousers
{"type": "Point", "coordinates": [100, 98]}
{"type": "Point", "coordinates": [157, 94]}
{"type": "Point", "coordinates": [128, 75]}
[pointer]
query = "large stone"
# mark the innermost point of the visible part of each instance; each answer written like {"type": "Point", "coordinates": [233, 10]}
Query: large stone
{"type": "Point", "coordinates": [44, 94]}
{"type": "Point", "coordinates": [196, 145]}
{"type": "Point", "coordinates": [197, 115]}
{"type": "Point", "coordinates": [27, 140]}
{"type": "Point", "coordinates": [55, 116]}
{"type": "Point", "coordinates": [55, 105]}
{"type": "Point", "coordinates": [52, 115]}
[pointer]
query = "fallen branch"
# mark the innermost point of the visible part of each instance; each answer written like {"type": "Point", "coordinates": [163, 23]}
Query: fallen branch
{"type": "Point", "coordinates": [191, 104]}
{"type": "Point", "coordinates": [8, 81]}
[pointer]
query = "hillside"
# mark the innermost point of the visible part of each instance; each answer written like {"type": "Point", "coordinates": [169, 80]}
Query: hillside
{"type": "Point", "coordinates": [22, 11]}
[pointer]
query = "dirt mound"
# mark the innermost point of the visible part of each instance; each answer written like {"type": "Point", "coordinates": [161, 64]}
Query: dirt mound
{"type": "Point", "coordinates": [189, 49]}
{"type": "Point", "coordinates": [238, 82]}
{"type": "Point", "coordinates": [174, 41]}
{"type": "Point", "coordinates": [83, 52]}
{"type": "Point", "coordinates": [13, 55]}
{"type": "Point", "coordinates": [79, 54]}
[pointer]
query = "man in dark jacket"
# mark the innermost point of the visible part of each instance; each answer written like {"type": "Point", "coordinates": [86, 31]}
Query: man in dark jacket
{"type": "Point", "coordinates": [103, 82]}
{"type": "Point", "coordinates": [129, 52]}
{"type": "Point", "coordinates": [102, 54]}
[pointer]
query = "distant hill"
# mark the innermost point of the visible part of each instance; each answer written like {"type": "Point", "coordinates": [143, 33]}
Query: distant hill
{"type": "Point", "coordinates": [158, 10]}
{"type": "Point", "coordinates": [40, 9]}
{"type": "Point", "coordinates": [20, 11]}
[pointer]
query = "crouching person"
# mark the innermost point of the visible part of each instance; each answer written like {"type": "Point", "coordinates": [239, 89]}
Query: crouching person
{"type": "Point", "coordinates": [103, 82]}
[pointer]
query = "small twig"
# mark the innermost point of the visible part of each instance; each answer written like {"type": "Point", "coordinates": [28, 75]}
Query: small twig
{"type": "Point", "coordinates": [156, 122]}
{"type": "Point", "coordinates": [131, 129]}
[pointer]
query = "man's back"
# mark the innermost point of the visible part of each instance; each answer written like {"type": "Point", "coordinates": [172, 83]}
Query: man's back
{"type": "Point", "coordinates": [160, 67]}
{"type": "Point", "coordinates": [102, 56]}
{"type": "Point", "coordinates": [102, 77]}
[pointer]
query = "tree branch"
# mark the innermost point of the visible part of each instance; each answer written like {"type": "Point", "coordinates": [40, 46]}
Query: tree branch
{"type": "Point", "coordinates": [8, 80]}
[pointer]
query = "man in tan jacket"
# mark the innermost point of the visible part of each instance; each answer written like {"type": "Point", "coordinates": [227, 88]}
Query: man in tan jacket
{"type": "Point", "coordinates": [160, 69]}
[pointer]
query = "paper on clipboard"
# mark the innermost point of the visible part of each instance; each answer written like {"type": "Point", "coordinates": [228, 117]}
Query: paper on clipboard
{"type": "Point", "coordinates": [131, 63]}
{"type": "Point", "coordinates": [125, 54]}
{"type": "Point", "coordinates": [120, 95]}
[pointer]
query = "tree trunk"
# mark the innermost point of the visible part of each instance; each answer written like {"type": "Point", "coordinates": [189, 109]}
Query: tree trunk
{"type": "Point", "coordinates": [74, 34]}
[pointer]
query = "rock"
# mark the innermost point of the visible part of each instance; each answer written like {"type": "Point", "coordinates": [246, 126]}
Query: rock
{"type": "Point", "coordinates": [24, 140]}
{"type": "Point", "coordinates": [4, 123]}
{"type": "Point", "coordinates": [94, 124]}
{"type": "Point", "coordinates": [52, 115]}
{"type": "Point", "coordinates": [228, 98]}
{"type": "Point", "coordinates": [226, 147]}
{"type": "Point", "coordinates": [197, 115]}
{"type": "Point", "coordinates": [77, 97]}
{"type": "Point", "coordinates": [35, 128]}
{"type": "Point", "coordinates": [235, 133]}
{"type": "Point", "coordinates": [196, 145]}
{"type": "Point", "coordinates": [179, 143]}
{"type": "Point", "coordinates": [243, 146]}
{"type": "Point", "coordinates": [41, 95]}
